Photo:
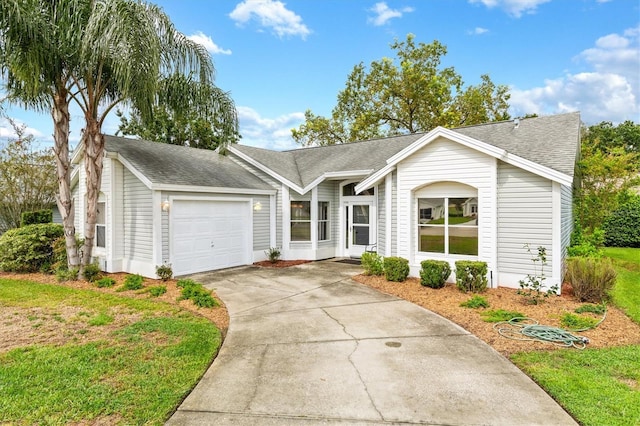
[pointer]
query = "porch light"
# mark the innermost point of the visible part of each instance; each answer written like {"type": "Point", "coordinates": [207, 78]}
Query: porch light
{"type": "Point", "coordinates": [257, 206]}
{"type": "Point", "coordinates": [165, 205]}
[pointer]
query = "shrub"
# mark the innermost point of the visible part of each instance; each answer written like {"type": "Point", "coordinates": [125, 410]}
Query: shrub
{"type": "Point", "coordinates": [471, 276]}
{"type": "Point", "coordinates": [576, 322]}
{"type": "Point", "coordinates": [273, 254]}
{"type": "Point", "coordinates": [195, 292]}
{"type": "Point", "coordinates": [164, 272]}
{"type": "Point", "coordinates": [157, 290]}
{"type": "Point", "coordinates": [434, 273]}
{"type": "Point", "coordinates": [475, 302]}
{"type": "Point", "coordinates": [26, 249]}
{"type": "Point", "coordinates": [498, 315]}
{"type": "Point", "coordinates": [65, 274]}
{"type": "Point", "coordinates": [105, 282]}
{"type": "Point", "coordinates": [92, 272]}
{"type": "Point", "coordinates": [586, 244]}
{"type": "Point", "coordinates": [396, 268]}
{"type": "Point", "coordinates": [60, 252]}
{"type": "Point", "coordinates": [533, 288]}
{"type": "Point", "coordinates": [591, 279]}
{"type": "Point", "coordinates": [35, 217]}
{"type": "Point", "coordinates": [594, 309]}
{"type": "Point", "coordinates": [133, 282]}
{"type": "Point", "coordinates": [372, 263]}
{"type": "Point", "coordinates": [621, 227]}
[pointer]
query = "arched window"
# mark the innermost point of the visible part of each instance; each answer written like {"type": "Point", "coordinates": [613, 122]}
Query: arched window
{"type": "Point", "coordinates": [447, 219]}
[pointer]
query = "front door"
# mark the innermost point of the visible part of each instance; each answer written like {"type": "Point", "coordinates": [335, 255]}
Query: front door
{"type": "Point", "coordinates": [359, 231]}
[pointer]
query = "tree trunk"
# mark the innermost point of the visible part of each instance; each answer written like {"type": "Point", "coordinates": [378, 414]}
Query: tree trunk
{"type": "Point", "coordinates": [60, 114]}
{"type": "Point", "coordinates": [93, 142]}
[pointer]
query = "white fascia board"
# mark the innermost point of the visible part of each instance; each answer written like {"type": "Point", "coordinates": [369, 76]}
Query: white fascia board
{"type": "Point", "coordinates": [349, 174]}
{"type": "Point", "coordinates": [211, 189]}
{"type": "Point", "coordinates": [375, 178]}
{"type": "Point", "coordinates": [538, 169]}
{"type": "Point", "coordinates": [266, 169]}
{"type": "Point", "coordinates": [76, 155]}
{"type": "Point", "coordinates": [135, 172]}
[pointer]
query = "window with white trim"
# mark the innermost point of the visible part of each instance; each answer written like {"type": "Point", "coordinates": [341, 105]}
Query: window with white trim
{"type": "Point", "coordinates": [101, 225]}
{"type": "Point", "coordinates": [448, 225]}
{"type": "Point", "coordinates": [324, 224]}
{"type": "Point", "coordinates": [300, 220]}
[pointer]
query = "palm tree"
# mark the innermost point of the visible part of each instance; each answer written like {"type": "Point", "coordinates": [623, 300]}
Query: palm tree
{"type": "Point", "coordinates": [109, 52]}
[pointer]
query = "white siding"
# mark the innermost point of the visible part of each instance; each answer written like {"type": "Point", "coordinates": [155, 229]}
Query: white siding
{"type": "Point", "coordinates": [261, 223]}
{"type": "Point", "coordinates": [381, 220]}
{"type": "Point", "coordinates": [138, 219]}
{"type": "Point", "coordinates": [445, 161]}
{"type": "Point", "coordinates": [525, 215]}
{"type": "Point", "coordinates": [394, 215]}
{"type": "Point", "coordinates": [165, 230]}
{"type": "Point", "coordinates": [327, 191]}
{"type": "Point", "coordinates": [566, 201]}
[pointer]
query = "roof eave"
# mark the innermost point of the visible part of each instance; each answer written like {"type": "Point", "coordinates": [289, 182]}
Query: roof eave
{"type": "Point", "coordinates": [266, 169]}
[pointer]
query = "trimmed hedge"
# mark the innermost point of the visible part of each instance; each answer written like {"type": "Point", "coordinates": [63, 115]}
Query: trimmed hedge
{"type": "Point", "coordinates": [29, 248]}
{"type": "Point", "coordinates": [622, 227]}
{"type": "Point", "coordinates": [35, 217]}
{"type": "Point", "coordinates": [434, 273]}
{"type": "Point", "coordinates": [471, 276]}
{"type": "Point", "coordinates": [396, 268]}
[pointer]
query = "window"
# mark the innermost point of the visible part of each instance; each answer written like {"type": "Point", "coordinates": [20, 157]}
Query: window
{"type": "Point", "coordinates": [300, 221]}
{"type": "Point", "coordinates": [448, 225]}
{"type": "Point", "coordinates": [324, 230]}
{"type": "Point", "coordinates": [349, 190]}
{"type": "Point", "coordinates": [101, 228]}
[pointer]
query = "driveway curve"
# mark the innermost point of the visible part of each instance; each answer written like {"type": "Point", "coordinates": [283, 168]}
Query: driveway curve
{"type": "Point", "coordinates": [307, 345]}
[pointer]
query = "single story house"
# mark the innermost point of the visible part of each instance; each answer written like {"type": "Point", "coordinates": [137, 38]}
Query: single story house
{"type": "Point", "coordinates": [479, 192]}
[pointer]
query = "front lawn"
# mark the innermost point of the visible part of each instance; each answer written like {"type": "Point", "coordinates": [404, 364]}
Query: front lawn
{"type": "Point", "coordinates": [597, 386]}
{"type": "Point", "coordinates": [99, 358]}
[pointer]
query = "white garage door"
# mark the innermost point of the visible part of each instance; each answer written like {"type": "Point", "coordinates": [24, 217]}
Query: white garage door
{"type": "Point", "coordinates": [208, 235]}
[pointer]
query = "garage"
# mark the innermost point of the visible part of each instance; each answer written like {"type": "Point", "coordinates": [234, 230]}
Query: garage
{"type": "Point", "coordinates": [210, 234]}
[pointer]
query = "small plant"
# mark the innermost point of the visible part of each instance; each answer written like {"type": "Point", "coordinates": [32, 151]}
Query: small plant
{"type": "Point", "coordinates": [101, 319]}
{"type": "Point", "coordinates": [593, 309]}
{"type": "Point", "coordinates": [576, 322]}
{"type": "Point", "coordinates": [372, 263]}
{"type": "Point", "coordinates": [475, 302]}
{"type": "Point", "coordinates": [273, 254]}
{"type": "Point", "coordinates": [64, 274]}
{"type": "Point", "coordinates": [105, 282]}
{"type": "Point", "coordinates": [157, 291]}
{"type": "Point", "coordinates": [396, 268]}
{"type": "Point", "coordinates": [434, 273]}
{"type": "Point", "coordinates": [164, 272]}
{"type": "Point", "coordinates": [133, 282]}
{"type": "Point", "coordinates": [533, 288]}
{"type": "Point", "coordinates": [591, 279]}
{"type": "Point", "coordinates": [497, 315]}
{"type": "Point", "coordinates": [195, 292]}
{"type": "Point", "coordinates": [92, 272]}
{"type": "Point", "coordinates": [471, 276]}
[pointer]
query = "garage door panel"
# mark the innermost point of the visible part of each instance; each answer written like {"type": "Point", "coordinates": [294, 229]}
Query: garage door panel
{"type": "Point", "coordinates": [209, 235]}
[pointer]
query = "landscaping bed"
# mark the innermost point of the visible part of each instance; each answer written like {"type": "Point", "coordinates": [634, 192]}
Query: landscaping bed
{"type": "Point", "coordinates": [616, 330]}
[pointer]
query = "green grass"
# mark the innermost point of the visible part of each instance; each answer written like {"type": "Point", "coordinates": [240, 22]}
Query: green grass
{"type": "Point", "coordinates": [475, 302]}
{"type": "Point", "coordinates": [626, 292]}
{"type": "Point", "coordinates": [138, 375]}
{"type": "Point", "coordinates": [457, 245]}
{"type": "Point", "coordinates": [497, 315]}
{"type": "Point", "coordinates": [597, 386]}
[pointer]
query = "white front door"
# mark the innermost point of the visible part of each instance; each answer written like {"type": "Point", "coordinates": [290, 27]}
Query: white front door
{"type": "Point", "coordinates": [359, 227]}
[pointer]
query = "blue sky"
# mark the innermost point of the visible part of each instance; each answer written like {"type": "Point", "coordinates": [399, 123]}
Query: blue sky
{"type": "Point", "coordinates": [280, 58]}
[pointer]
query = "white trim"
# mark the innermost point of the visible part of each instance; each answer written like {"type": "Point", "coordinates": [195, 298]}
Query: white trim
{"type": "Point", "coordinates": [556, 235]}
{"type": "Point", "coordinates": [142, 178]}
{"type": "Point", "coordinates": [493, 278]}
{"type": "Point", "coordinates": [314, 218]}
{"type": "Point", "coordinates": [212, 189]}
{"type": "Point", "coordinates": [156, 241]}
{"type": "Point", "coordinates": [272, 221]}
{"type": "Point", "coordinates": [349, 174]}
{"type": "Point", "coordinates": [266, 169]}
{"type": "Point", "coordinates": [286, 221]}
{"type": "Point", "coordinates": [470, 143]}
{"type": "Point", "coordinates": [388, 192]}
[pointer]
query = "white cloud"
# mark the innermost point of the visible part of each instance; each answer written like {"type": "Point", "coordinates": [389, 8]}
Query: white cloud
{"type": "Point", "coordinates": [271, 133]}
{"type": "Point", "coordinates": [478, 31]}
{"type": "Point", "coordinates": [7, 131]}
{"type": "Point", "coordinates": [383, 13]}
{"type": "Point", "coordinates": [609, 92]}
{"type": "Point", "coordinates": [206, 41]}
{"type": "Point", "coordinates": [270, 14]}
{"type": "Point", "coordinates": [515, 8]}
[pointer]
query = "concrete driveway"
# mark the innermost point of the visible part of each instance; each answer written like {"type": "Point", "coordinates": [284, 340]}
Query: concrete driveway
{"type": "Point", "coordinates": [307, 345]}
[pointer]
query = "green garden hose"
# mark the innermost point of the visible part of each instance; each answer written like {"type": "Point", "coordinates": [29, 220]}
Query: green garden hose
{"type": "Point", "coordinates": [528, 329]}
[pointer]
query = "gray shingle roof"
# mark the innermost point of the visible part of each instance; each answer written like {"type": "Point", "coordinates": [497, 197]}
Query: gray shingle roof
{"type": "Point", "coordinates": [551, 141]}
{"type": "Point", "coordinates": [178, 165]}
